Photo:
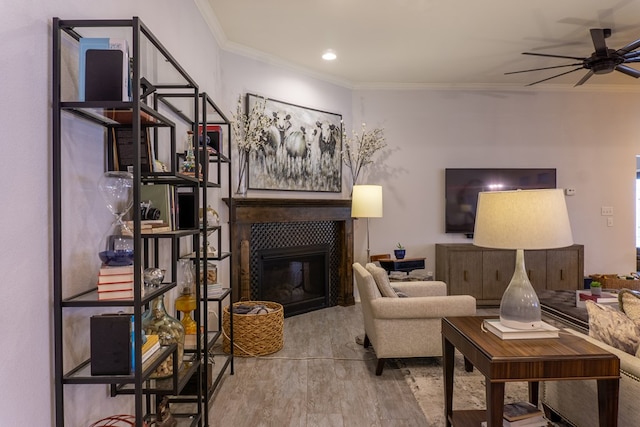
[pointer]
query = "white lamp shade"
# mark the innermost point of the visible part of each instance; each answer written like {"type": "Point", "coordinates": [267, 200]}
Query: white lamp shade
{"type": "Point", "coordinates": [522, 219]}
{"type": "Point", "coordinates": [366, 201]}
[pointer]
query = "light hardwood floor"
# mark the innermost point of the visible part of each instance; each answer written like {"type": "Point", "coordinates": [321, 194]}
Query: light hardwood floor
{"type": "Point", "coordinates": [320, 378]}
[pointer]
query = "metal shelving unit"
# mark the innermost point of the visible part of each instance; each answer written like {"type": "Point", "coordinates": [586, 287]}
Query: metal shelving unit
{"type": "Point", "coordinates": [154, 110]}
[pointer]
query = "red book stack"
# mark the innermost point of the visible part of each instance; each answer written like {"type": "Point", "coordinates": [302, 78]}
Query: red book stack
{"type": "Point", "coordinates": [115, 282]}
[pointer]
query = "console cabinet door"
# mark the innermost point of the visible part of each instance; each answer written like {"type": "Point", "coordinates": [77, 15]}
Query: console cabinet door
{"type": "Point", "coordinates": [563, 269]}
{"type": "Point", "coordinates": [465, 273]}
{"type": "Point", "coordinates": [535, 264]}
{"type": "Point", "coordinates": [497, 270]}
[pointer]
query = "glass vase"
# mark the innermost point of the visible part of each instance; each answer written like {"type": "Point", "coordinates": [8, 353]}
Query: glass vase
{"type": "Point", "coordinates": [241, 191]}
{"type": "Point", "coordinates": [156, 321]}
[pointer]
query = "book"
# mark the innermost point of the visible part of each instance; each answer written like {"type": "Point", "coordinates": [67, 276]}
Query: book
{"type": "Point", "coordinates": [604, 298]}
{"type": "Point", "coordinates": [106, 270]}
{"type": "Point", "coordinates": [150, 352]}
{"type": "Point", "coordinates": [506, 333]}
{"type": "Point", "coordinates": [161, 198]}
{"type": "Point", "coordinates": [155, 230]}
{"type": "Point", "coordinates": [118, 286]}
{"type": "Point", "coordinates": [104, 72]}
{"type": "Point", "coordinates": [520, 410]}
{"type": "Point", "coordinates": [536, 421]}
{"type": "Point", "coordinates": [111, 295]}
{"type": "Point", "coordinates": [150, 346]}
{"type": "Point", "coordinates": [115, 278]}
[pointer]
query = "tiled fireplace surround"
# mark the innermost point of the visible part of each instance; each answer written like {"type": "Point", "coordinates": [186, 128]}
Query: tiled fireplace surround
{"type": "Point", "coordinates": [249, 216]}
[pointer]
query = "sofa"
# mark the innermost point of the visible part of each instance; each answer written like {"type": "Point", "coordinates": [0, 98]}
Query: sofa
{"type": "Point", "coordinates": [403, 319]}
{"type": "Point", "coordinates": [577, 401]}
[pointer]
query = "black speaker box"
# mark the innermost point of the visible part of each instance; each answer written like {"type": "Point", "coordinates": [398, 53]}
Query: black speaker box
{"type": "Point", "coordinates": [186, 211]}
{"type": "Point", "coordinates": [111, 344]}
{"type": "Point", "coordinates": [103, 75]}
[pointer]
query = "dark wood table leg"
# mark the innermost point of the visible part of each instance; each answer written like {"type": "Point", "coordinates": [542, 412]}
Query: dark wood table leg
{"type": "Point", "coordinates": [448, 352]}
{"type": "Point", "coordinates": [495, 403]}
{"type": "Point", "coordinates": [534, 386]}
{"type": "Point", "coordinates": [608, 393]}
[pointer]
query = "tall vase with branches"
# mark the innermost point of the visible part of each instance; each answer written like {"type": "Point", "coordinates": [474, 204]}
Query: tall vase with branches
{"type": "Point", "coordinates": [248, 131]}
{"type": "Point", "coordinates": [360, 149]}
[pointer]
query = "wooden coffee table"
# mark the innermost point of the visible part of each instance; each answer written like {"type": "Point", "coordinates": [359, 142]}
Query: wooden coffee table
{"type": "Point", "coordinates": [566, 358]}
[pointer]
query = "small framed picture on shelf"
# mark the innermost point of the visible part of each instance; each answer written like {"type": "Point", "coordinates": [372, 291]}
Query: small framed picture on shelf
{"type": "Point", "coordinates": [124, 149]}
{"type": "Point", "coordinates": [212, 137]}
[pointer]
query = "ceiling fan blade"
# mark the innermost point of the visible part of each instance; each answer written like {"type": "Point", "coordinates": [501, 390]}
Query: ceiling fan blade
{"type": "Point", "coordinates": [598, 36]}
{"type": "Point", "coordinates": [631, 55]}
{"type": "Point", "coordinates": [553, 77]}
{"type": "Point", "coordinates": [554, 56]}
{"type": "Point", "coordinates": [543, 68]}
{"type": "Point", "coordinates": [628, 48]}
{"type": "Point", "coordinates": [628, 71]}
{"type": "Point", "coordinates": [584, 78]}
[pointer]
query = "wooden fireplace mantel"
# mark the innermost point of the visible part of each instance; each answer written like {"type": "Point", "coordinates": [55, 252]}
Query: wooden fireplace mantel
{"type": "Point", "coordinates": [243, 212]}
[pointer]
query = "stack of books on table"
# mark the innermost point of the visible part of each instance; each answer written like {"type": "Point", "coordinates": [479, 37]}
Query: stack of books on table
{"type": "Point", "coordinates": [604, 298]}
{"type": "Point", "coordinates": [504, 332]}
{"type": "Point", "coordinates": [149, 226]}
{"type": "Point", "coordinates": [115, 282]}
{"type": "Point", "coordinates": [523, 414]}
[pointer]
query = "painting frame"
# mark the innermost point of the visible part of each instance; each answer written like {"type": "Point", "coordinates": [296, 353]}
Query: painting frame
{"type": "Point", "coordinates": [301, 151]}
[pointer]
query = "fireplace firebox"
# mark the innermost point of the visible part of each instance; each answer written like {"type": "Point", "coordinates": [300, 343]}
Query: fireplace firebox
{"type": "Point", "coordinates": [296, 277]}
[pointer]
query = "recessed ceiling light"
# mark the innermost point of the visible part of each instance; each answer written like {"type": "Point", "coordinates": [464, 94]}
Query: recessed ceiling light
{"type": "Point", "coordinates": [329, 55]}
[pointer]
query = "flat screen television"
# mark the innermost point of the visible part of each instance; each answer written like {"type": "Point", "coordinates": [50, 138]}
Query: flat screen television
{"type": "Point", "coordinates": [463, 185]}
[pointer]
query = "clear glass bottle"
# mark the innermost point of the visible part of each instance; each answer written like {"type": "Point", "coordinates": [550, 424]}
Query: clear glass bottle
{"type": "Point", "coordinates": [156, 321]}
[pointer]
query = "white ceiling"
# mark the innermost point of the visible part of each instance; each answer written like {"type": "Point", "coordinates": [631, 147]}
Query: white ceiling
{"type": "Point", "coordinates": [426, 42]}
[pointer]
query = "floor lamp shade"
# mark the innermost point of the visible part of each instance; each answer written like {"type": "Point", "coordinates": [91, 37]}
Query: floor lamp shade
{"type": "Point", "coordinates": [366, 201]}
{"type": "Point", "coordinates": [521, 220]}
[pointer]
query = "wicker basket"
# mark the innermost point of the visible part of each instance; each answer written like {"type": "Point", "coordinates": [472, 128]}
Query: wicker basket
{"type": "Point", "coordinates": [254, 334]}
{"type": "Point", "coordinates": [611, 281]}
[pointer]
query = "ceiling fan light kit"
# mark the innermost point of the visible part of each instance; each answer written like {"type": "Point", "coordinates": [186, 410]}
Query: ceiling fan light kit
{"type": "Point", "coordinates": [602, 61]}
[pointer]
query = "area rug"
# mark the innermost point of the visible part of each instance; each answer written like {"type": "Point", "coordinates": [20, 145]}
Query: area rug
{"type": "Point", "coordinates": [425, 378]}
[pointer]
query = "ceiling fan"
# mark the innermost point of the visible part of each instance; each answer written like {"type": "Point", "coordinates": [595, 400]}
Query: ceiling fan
{"type": "Point", "coordinates": [602, 61]}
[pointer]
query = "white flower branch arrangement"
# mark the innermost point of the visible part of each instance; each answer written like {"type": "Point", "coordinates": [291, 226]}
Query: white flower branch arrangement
{"type": "Point", "coordinates": [248, 132]}
{"type": "Point", "coordinates": [360, 149]}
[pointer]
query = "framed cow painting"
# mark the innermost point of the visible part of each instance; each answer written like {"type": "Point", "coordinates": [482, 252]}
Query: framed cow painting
{"type": "Point", "coordinates": [301, 151]}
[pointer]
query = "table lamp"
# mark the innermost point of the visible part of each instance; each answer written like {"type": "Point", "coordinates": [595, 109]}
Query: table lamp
{"type": "Point", "coordinates": [366, 202]}
{"type": "Point", "coordinates": [522, 219]}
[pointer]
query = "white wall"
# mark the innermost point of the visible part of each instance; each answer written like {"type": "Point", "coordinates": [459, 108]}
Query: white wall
{"type": "Point", "coordinates": [26, 296]}
{"type": "Point", "coordinates": [589, 137]}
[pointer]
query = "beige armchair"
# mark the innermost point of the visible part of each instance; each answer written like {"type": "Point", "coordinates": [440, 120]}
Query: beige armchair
{"type": "Point", "coordinates": [405, 327]}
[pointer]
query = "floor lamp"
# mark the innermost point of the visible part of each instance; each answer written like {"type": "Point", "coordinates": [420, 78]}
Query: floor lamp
{"type": "Point", "coordinates": [523, 219]}
{"type": "Point", "coordinates": [366, 202]}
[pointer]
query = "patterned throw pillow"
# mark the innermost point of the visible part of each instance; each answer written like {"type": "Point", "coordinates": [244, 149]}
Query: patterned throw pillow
{"type": "Point", "coordinates": [629, 302]}
{"type": "Point", "coordinates": [382, 280]}
{"type": "Point", "coordinates": [613, 327]}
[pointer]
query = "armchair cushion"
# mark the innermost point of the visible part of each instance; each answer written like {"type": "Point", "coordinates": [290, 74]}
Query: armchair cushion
{"type": "Point", "coordinates": [423, 307]}
{"type": "Point", "coordinates": [382, 280]}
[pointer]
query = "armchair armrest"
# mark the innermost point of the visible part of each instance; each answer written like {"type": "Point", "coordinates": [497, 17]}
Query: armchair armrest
{"type": "Point", "coordinates": [421, 288]}
{"type": "Point", "coordinates": [423, 307]}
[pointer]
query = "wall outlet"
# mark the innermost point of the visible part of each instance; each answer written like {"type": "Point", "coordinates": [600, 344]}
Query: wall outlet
{"type": "Point", "coordinates": [570, 191]}
{"type": "Point", "coordinates": [610, 221]}
{"type": "Point", "coordinates": [606, 210]}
